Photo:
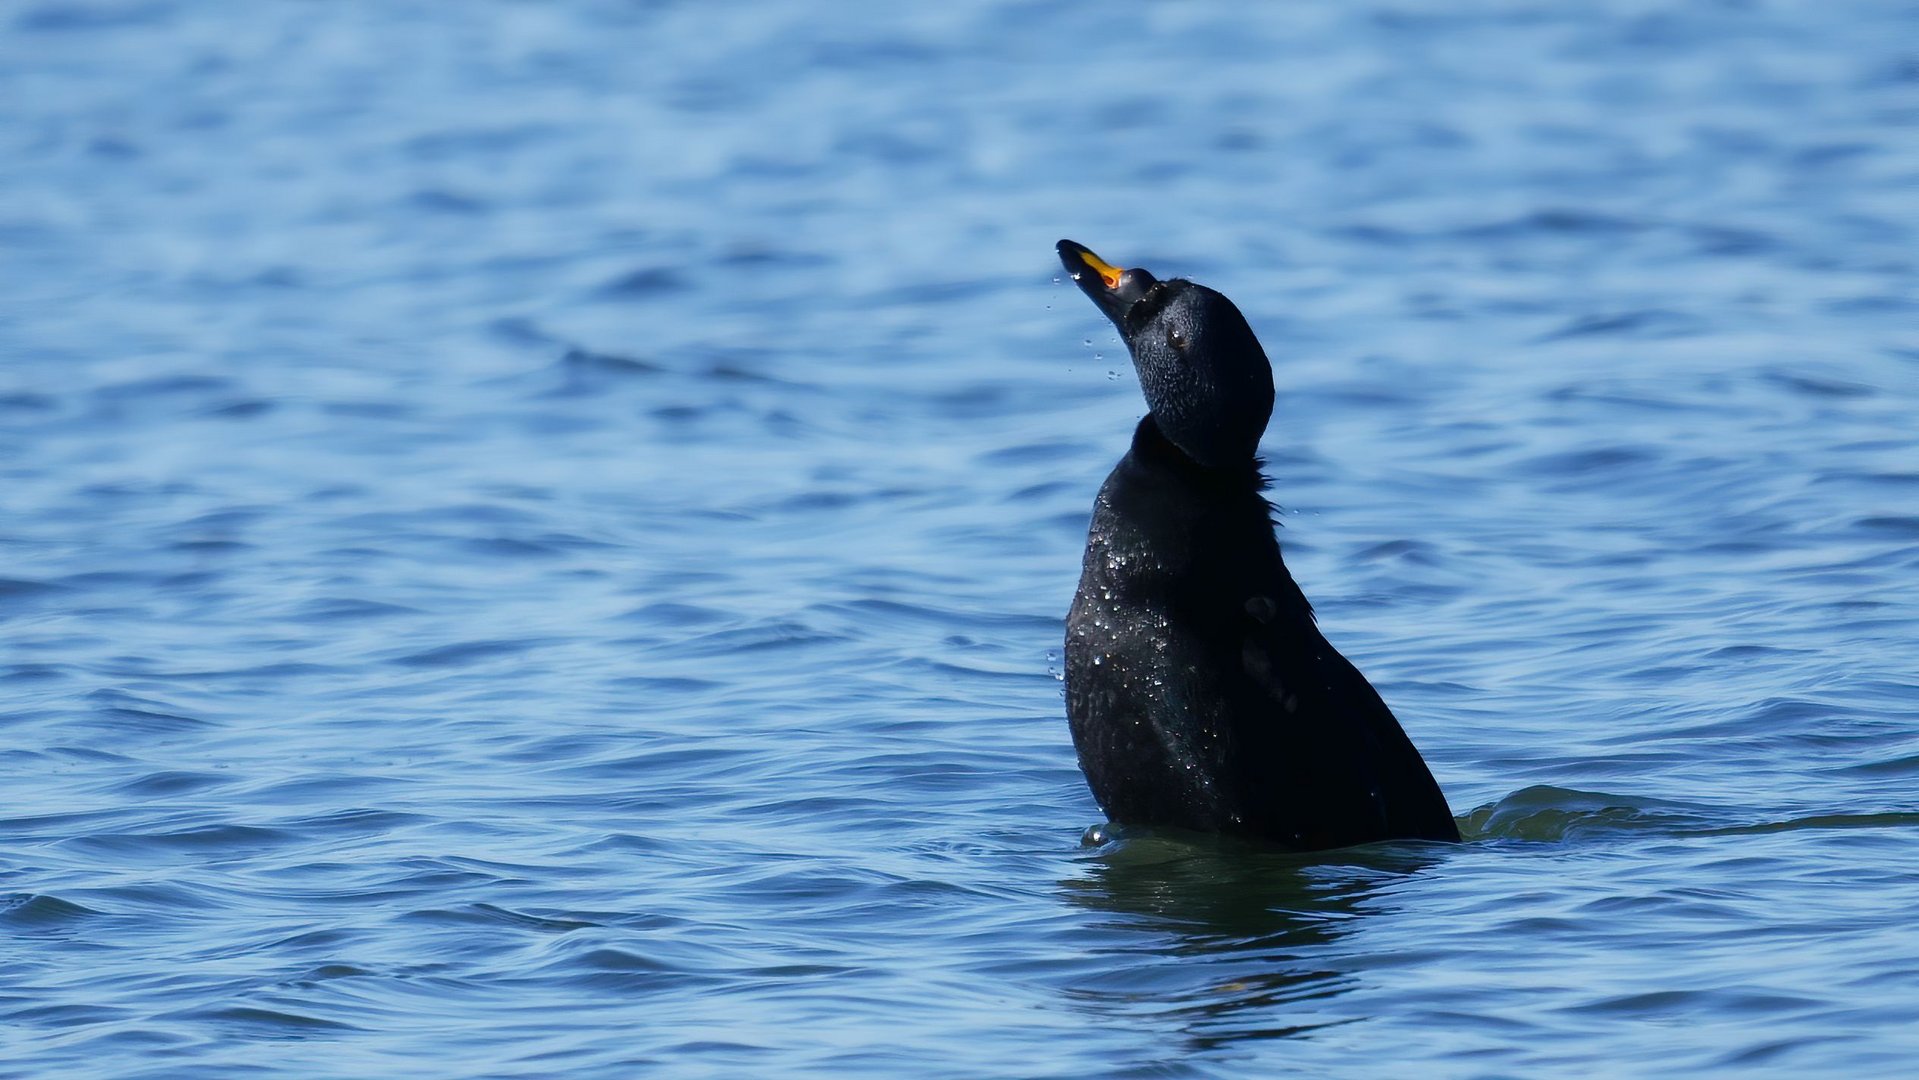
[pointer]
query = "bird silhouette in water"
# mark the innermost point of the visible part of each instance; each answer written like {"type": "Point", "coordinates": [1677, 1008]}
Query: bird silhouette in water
{"type": "Point", "coordinates": [1200, 692]}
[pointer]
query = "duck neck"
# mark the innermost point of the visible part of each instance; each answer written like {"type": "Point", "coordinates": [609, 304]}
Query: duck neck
{"type": "Point", "coordinates": [1151, 446]}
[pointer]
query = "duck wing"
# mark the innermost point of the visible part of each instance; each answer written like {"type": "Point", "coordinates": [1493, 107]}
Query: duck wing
{"type": "Point", "coordinates": [1322, 760]}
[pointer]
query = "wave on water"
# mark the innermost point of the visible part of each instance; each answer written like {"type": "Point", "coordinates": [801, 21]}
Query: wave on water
{"type": "Point", "coordinates": [1538, 814]}
{"type": "Point", "coordinates": [1546, 814]}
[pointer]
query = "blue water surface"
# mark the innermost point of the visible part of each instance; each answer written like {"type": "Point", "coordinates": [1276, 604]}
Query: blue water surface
{"type": "Point", "coordinates": [534, 536]}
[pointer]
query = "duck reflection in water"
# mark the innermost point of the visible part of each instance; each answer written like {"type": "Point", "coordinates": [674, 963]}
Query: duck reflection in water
{"type": "Point", "coordinates": [1228, 936]}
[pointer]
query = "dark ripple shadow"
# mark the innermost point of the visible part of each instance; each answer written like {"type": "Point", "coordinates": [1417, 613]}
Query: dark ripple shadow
{"type": "Point", "coordinates": [1564, 221]}
{"type": "Point", "coordinates": [66, 1016]}
{"type": "Point", "coordinates": [1896, 525]}
{"type": "Point", "coordinates": [146, 390]}
{"type": "Point", "coordinates": [171, 782]}
{"type": "Point", "coordinates": [219, 841]}
{"type": "Point", "coordinates": [672, 613]}
{"type": "Point", "coordinates": [35, 913]}
{"type": "Point", "coordinates": [931, 293]}
{"type": "Point", "coordinates": [584, 369]}
{"type": "Point", "coordinates": [876, 615]}
{"type": "Point", "coordinates": [12, 588]}
{"type": "Point", "coordinates": [643, 283]}
{"type": "Point", "coordinates": [1816, 386]}
{"type": "Point", "coordinates": [772, 634]}
{"type": "Point", "coordinates": [1598, 459]}
{"type": "Point", "coordinates": [19, 596]}
{"type": "Point", "coordinates": [444, 201]}
{"type": "Point", "coordinates": [1646, 324]}
{"type": "Point", "coordinates": [255, 1022]}
{"type": "Point", "coordinates": [127, 713]}
{"type": "Point", "coordinates": [351, 608]}
{"type": "Point", "coordinates": [466, 653]}
{"type": "Point", "coordinates": [664, 684]}
{"type": "Point", "coordinates": [578, 372]}
{"type": "Point", "coordinates": [485, 914]}
{"type": "Point", "coordinates": [586, 963]}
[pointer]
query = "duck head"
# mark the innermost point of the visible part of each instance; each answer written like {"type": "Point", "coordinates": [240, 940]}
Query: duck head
{"type": "Point", "coordinates": [1205, 377]}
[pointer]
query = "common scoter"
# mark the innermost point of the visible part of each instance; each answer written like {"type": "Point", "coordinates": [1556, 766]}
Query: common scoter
{"type": "Point", "coordinates": [1200, 692]}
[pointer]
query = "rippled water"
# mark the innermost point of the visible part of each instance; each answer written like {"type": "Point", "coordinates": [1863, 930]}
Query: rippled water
{"type": "Point", "coordinates": [534, 536]}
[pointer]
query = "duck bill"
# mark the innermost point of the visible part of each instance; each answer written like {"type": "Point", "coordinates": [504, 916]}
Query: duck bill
{"type": "Point", "coordinates": [1109, 286]}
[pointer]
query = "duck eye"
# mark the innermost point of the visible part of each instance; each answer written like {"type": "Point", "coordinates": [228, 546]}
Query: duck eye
{"type": "Point", "coordinates": [1176, 339]}
{"type": "Point", "coordinates": [1135, 283]}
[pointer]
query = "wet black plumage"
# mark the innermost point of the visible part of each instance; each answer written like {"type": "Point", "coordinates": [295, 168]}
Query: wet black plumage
{"type": "Point", "coordinates": [1199, 689]}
